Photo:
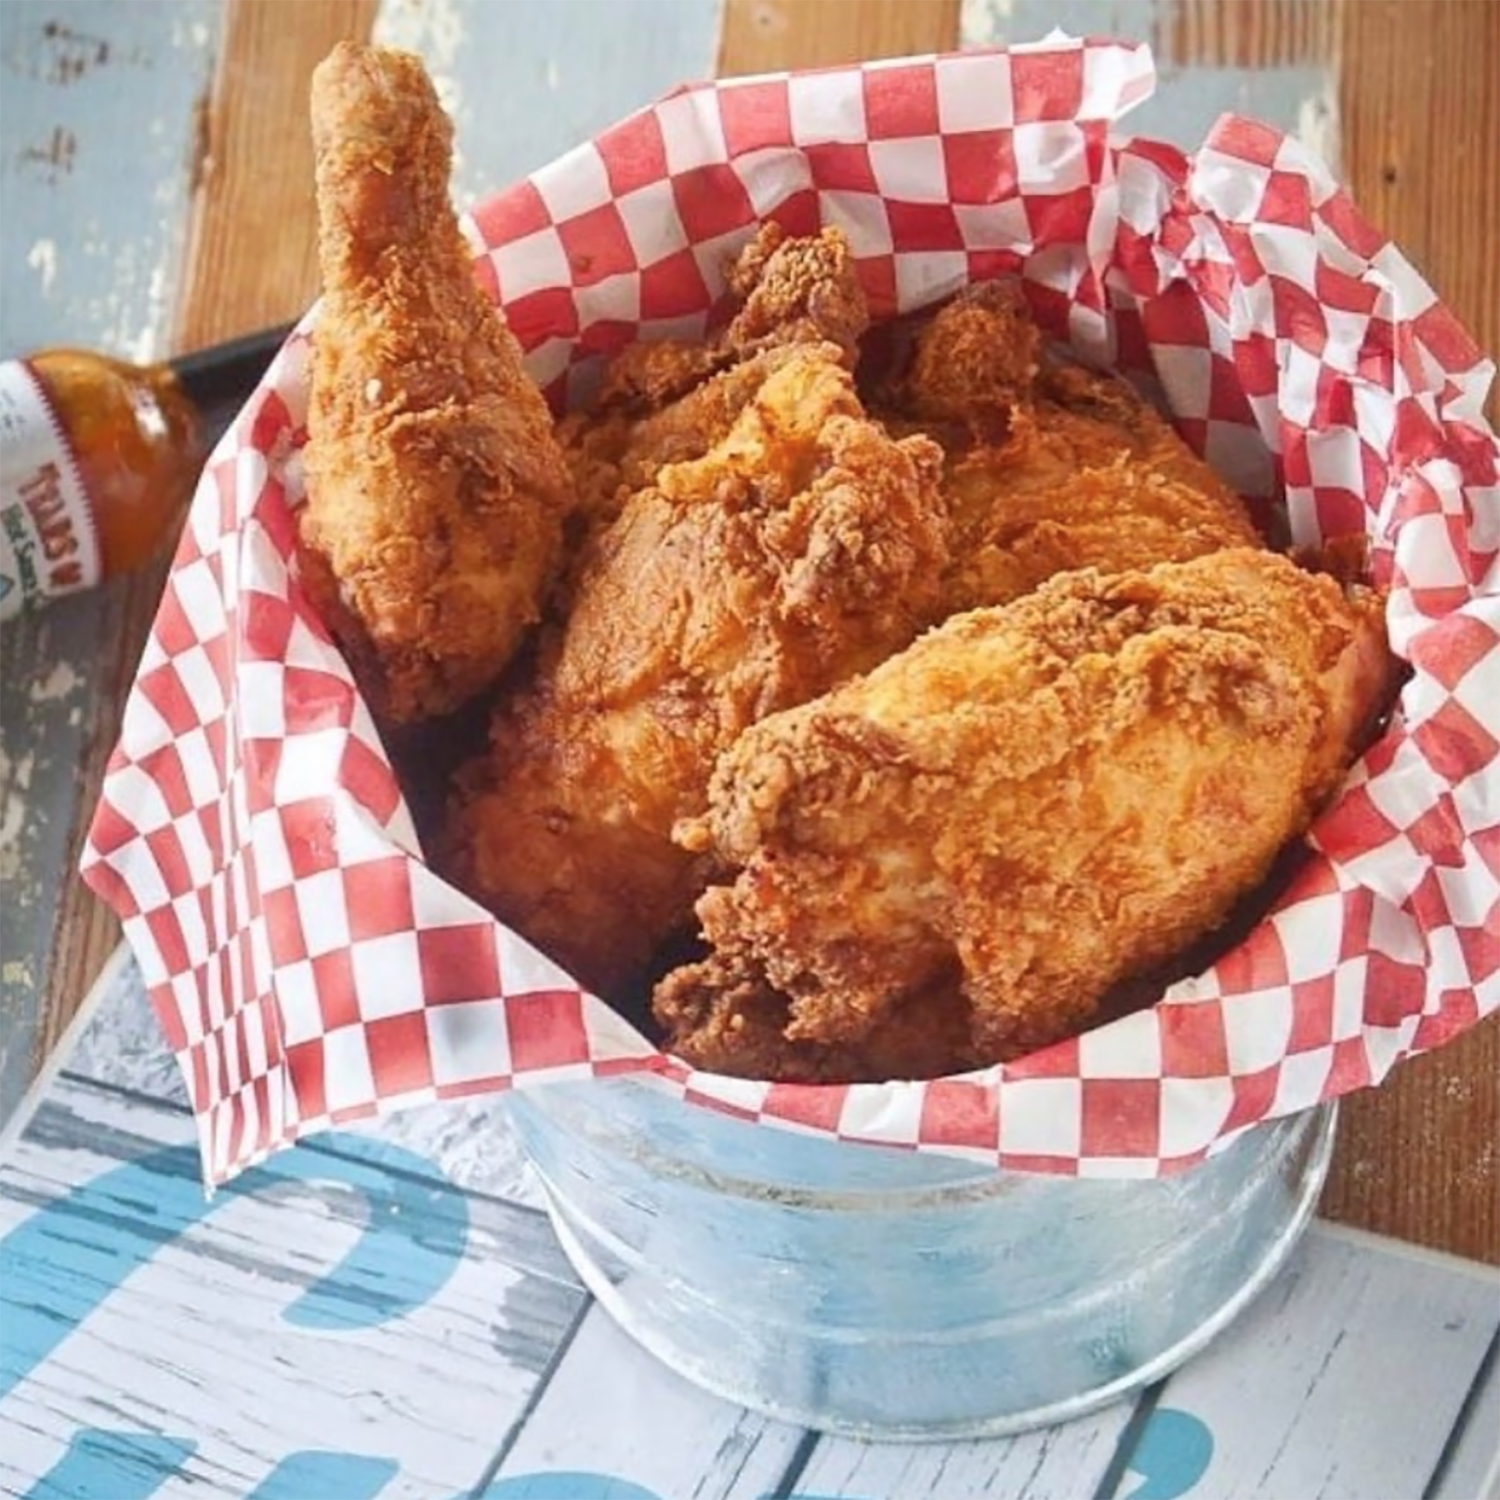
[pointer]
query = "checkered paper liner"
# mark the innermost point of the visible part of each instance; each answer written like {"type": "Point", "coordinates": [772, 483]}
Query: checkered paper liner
{"type": "Point", "coordinates": [309, 968]}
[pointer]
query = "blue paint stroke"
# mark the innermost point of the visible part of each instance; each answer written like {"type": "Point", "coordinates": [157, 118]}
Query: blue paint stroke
{"type": "Point", "coordinates": [314, 1475]}
{"type": "Point", "coordinates": [61, 1263]}
{"type": "Point", "coordinates": [1173, 1454]}
{"type": "Point", "coordinates": [564, 1484]}
{"type": "Point", "coordinates": [102, 1465]}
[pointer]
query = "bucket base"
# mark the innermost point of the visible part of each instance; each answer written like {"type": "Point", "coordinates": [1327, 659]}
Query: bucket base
{"type": "Point", "coordinates": [794, 1356]}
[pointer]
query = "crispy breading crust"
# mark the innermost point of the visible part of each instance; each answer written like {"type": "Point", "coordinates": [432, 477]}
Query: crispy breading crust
{"type": "Point", "coordinates": [1037, 801]}
{"type": "Point", "coordinates": [805, 546]}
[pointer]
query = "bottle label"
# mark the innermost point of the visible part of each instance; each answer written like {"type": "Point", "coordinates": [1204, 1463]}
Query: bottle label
{"type": "Point", "coordinates": [49, 541]}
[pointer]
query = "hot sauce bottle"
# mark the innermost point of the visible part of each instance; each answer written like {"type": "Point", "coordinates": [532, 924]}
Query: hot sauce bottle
{"type": "Point", "coordinates": [99, 458]}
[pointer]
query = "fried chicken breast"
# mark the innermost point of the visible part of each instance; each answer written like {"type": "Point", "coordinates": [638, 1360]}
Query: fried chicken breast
{"type": "Point", "coordinates": [805, 546]}
{"type": "Point", "coordinates": [436, 488]}
{"type": "Point", "coordinates": [1049, 467]}
{"type": "Point", "coordinates": [1027, 806]}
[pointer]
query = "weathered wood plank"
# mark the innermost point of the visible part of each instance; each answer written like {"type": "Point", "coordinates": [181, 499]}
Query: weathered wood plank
{"type": "Point", "coordinates": [1333, 1351]}
{"type": "Point", "coordinates": [1471, 1466]}
{"type": "Point", "coordinates": [98, 105]}
{"type": "Point", "coordinates": [1060, 1463]}
{"type": "Point", "coordinates": [252, 259]}
{"type": "Point", "coordinates": [1421, 143]}
{"type": "Point", "coordinates": [763, 36]}
{"type": "Point", "coordinates": [662, 1434]}
{"type": "Point", "coordinates": [524, 83]}
{"type": "Point", "coordinates": [346, 1296]}
{"type": "Point", "coordinates": [1379, 1349]}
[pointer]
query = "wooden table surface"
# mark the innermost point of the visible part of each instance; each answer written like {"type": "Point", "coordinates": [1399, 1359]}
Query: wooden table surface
{"type": "Point", "coordinates": [157, 196]}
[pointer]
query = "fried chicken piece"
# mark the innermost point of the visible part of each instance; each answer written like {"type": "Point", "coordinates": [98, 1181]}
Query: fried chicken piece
{"type": "Point", "coordinates": [614, 455]}
{"type": "Point", "coordinates": [1050, 467]}
{"type": "Point", "coordinates": [661, 403]}
{"type": "Point", "coordinates": [804, 547]}
{"type": "Point", "coordinates": [974, 360]}
{"type": "Point", "coordinates": [436, 489]}
{"type": "Point", "coordinates": [1030, 804]}
{"type": "Point", "coordinates": [729, 1019]}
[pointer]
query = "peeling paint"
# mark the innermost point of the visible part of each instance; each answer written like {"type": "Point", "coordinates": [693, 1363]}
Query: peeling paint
{"type": "Point", "coordinates": [15, 782]}
{"type": "Point", "coordinates": [1318, 123]}
{"type": "Point", "coordinates": [978, 19]}
{"type": "Point", "coordinates": [61, 682]}
{"type": "Point", "coordinates": [42, 258]}
{"type": "Point", "coordinates": [53, 160]}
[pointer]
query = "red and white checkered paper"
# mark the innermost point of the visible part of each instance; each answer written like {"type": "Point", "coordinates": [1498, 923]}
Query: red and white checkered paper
{"type": "Point", "coordinates": [309, 968]}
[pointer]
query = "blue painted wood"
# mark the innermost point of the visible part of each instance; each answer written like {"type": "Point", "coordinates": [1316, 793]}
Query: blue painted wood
{"type": "Point", "coordinates": [97, 103]}
{"type": "Point", "coordinates": [338, 1316]}
{"type": "Point", "coordinates": [525, 82]}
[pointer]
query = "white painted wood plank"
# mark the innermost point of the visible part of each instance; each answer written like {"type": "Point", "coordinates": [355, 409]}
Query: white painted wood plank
{"type": "Point", "coordinates": [610, 1409]}
{"type": "Point", "coordinates": [1344, 1380]}
{"type": "Point", "coordinates": [1061, 1463]}
{"type": "Point", "coordinates": [349, 1301]}
{"type": "Point", "coordinates": [1473, 1468]}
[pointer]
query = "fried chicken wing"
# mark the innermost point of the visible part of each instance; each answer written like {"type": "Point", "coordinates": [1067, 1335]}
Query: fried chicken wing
{"type": "Point", "coordinates": [804, 547]}
{"type": "Point", "coordinates": [661, 403]}
{"type": "Point", "coordinates": [1050, 467]}
{"type": "Point", "coordinates": [1027, 806]}
{"type": "Point", "coordinates": [436, 488]}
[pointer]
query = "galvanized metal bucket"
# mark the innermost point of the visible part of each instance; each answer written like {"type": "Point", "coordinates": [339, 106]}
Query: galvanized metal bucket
{"type": "Point", "coordinates": [886, 1294]}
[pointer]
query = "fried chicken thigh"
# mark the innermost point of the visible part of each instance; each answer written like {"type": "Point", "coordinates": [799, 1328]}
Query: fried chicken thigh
{"type": "Point", "coordinates": [1027, 806]}
{"type": "Point", "coordinates": [661, 403]}
{"type": "Point", "coordinates": [436, 488]}
{"type": "Point", "coordinates": [1050, 467]}
{"type": "Point", "coordinates": [805, 546]}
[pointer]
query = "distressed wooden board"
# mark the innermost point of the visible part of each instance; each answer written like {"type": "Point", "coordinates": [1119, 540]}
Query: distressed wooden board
{"type": "Point", "coordinates": [349, 1297]}
{"type": "Point", "coordinates": [763, 36]}
{"type": "Point", "coordinates": [1413, 76]}
{"type": "Point", "coordinates": [98, 108]}
{"type": "Point", "coordinates": [661, 1433]}
{"type": "Point", "coordinates": [1059, 1464]}
{"type": "Point", "coordinates": [1335, 1352]}
{"type": "Point", "coordinates": [1364, 1348]}
{"type": "Point", "coordinates": [352, 1325]}
{"type": "Point", "coordinates": [1470, 1468]}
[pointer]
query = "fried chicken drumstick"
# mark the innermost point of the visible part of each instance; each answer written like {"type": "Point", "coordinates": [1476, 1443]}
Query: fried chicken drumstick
{"type": "Point", "coordinates": [436, 489]}
{"type": "Point", "coordinates": [979, 838]}
{"type": "Point", "coordinates": [803, 547]}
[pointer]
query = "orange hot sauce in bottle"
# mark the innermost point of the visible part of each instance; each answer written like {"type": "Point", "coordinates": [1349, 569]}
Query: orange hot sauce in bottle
{"type": "Point", "coordinates": [99, 458]}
